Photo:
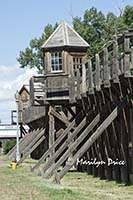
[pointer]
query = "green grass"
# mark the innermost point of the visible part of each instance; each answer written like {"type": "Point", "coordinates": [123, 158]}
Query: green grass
{"type": "Point", "coordinates": [21, 184]}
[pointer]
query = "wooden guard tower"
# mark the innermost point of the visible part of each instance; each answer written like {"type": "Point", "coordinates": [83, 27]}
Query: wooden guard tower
{"type": "Point", "coordinates": [64, 52]}
{"type": "Point", "coordinates": [81, 108]}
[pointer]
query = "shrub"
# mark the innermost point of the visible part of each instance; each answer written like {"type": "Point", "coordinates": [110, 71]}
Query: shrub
{"type": "Point", "coordinates": [8, 145]}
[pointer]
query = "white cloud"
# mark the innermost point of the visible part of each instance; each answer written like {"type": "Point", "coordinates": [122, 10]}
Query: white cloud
{"type": "Point", "coordinates": [24, 78]}
{"type": "Point", "coordinates": [12, 79]}
{"type": "Point", "coordinates": [8, 69]}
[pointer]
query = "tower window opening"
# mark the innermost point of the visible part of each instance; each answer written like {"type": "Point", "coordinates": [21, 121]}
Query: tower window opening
{"type": "Point", "coordinates": [56, 62]}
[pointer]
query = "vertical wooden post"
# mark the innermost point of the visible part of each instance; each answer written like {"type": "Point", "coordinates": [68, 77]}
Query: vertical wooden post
{"type": "Point", "coordinates": [131, 65]}
{"type": "Point", "coordinates": [51, 131]}
{"type": "Point", "coordinates": [98, 80]}
{"type": "Point", "coordinates": [71, 80]}
{"type": "Point", "coordinates": [89, 167]}
{"type": "Point", "coordinates": [78, 85]}
{"type": "Point", "coordinates": [72, 88]}
{"type": "Point", "coordinates": [127, 72]}
{"type": "Point", "coordinates": [115, 61]}
{"type": "Point", "coordinates": [45, 90]}
{"type": "Point", "coordinates": [125, 150]}
{"type": "Point", "coordinates": [122, 65]}
{"type": "Point", "coordinates": [106, 72]}
{"type": "Point", "coordinates": [83, 79]}
{"type": "Point", "coordinates": [100, 101]}
{"type": "Point", "coordinates": [131, 145]}
{"type": "Point", "coordinates": [90, 78]}
{"type": "Point", "coordinates": [32, 91]}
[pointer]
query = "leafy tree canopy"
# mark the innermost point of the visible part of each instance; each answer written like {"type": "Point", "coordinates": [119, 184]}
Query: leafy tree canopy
{"type": "Point", "coordinates": [96, 28]}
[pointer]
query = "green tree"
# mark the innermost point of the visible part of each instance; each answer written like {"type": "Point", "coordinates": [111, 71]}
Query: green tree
{"type": "Point", "coordinates": [98, 29]}
{"type": "Point", "coordinates": [128, 16]}
{"type": "Point", "coordinates": [114, 25]}
{"type": "Point", "coordinates": [91, 28]}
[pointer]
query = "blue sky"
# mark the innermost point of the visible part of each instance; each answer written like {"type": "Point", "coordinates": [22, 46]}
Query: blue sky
{"type": "Point", "coordinates": [23, 20]}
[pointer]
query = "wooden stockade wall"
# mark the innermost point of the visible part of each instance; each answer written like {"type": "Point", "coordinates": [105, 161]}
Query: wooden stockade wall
{"type": "Point", "coordinates": [93, 122]}
{"type": "Point", "coordinates": [108, 85]}
{"type": "Point", "coordinates": [97, 122]}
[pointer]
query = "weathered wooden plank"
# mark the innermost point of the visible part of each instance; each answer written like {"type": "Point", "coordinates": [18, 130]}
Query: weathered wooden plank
{"type": "Point", "coordinates": [72, 88]}
{"type": "Point", "coordinates": [116, 147]}
{"type": "Point", "coordinates": [126, 132]}
{"type": "Point", "coordinates": [78, 90]}
{"type": "Point", "coordinates": [115, 67]}
{"type": "Point", "coordinates": [71, 111]}
{"type": "Point", "coordinates": [127, 72]}
{"type": "Point", "coordinates": [131, 63]}
{"type": "Point", "coordinates": [113, 137]}
{"type": "Point", "coordinates": [39, 79]}
{"type": "Point", "coordinates": [59, 132]}
{"type": "Point", "coordinates": [122, 65]}
{"type": "Point", "coordinates": [59, 116]}
{"type": "Point", "coordinates": [90, 78]}
{"type": "Point", "coordinates": [33, 113]}
{"type": "Point", "coordinates": [84, 89]}
{"type": "Point", "coordinates": [100, 103]}
{"type": "Point", "coordinates": [64, 116]}
{"type": "Point", "coordinates": [131, 145]}
{"type": "Point", "coordinates": [125, 175]}
{"type": "Point", "coordinates": [98, 78]}
{"type": "Point", "coordinates": [32, 99]}
{"type": "Point", "coordinates": [51, 131]}
{"type": "Point", "coordinates": [94, 169]}
{"type": "Point", "coordinates": [120, 128]}
{"type": "Point", "coordinates": [106, 71]}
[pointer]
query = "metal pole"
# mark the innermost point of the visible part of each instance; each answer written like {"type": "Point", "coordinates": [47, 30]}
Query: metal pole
{"type": "Point", "coordinates": [17, 137]}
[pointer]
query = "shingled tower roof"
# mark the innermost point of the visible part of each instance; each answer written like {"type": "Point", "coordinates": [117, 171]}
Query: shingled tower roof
{"type": "Point", "coordinates": [65, 35]}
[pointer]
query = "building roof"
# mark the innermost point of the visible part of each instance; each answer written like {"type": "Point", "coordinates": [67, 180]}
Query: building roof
{"type": "Point", "coordinates": [65, 35]}
{"type": "Point", "coordinates": [24, 87]}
